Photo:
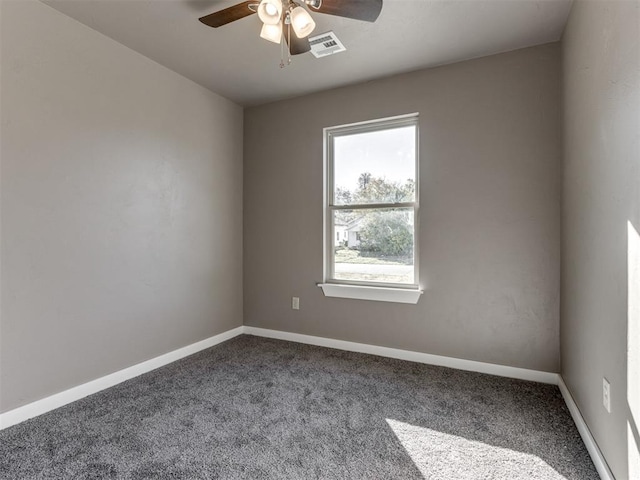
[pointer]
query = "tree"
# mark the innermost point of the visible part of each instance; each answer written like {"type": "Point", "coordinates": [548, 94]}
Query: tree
{"type": "Point", "coordinates": [379, 190]}
{"type": "Point", "coordinates": [363, 180]}
{"type": "Point", "coordinates": [387, 232]}
{"type": "Point", "coordinates": [384, 232]}
{"type": "Point", "coordinates": [343, 197]}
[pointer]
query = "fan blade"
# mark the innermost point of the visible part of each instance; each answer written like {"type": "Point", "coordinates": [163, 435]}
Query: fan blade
{"type": "Point", "coordinates": [228, 15]}
{"type": "Point", "coordinates": [367, 10]}
{"type": "Point", "coordinates": [297, 45]}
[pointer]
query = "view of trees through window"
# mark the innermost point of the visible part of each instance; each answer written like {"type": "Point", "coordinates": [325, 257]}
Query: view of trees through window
{"type": "Point", "coordinates": [372, 201]}
{"type": "Point", "coordinates": [376, 244]}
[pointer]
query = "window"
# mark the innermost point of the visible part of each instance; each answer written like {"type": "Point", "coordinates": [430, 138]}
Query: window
{"type": "Point", "coordinates": [372, 192]}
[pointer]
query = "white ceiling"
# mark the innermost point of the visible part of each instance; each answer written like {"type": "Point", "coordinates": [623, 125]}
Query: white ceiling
{"type": "Point", "coordinates": [233, 61]}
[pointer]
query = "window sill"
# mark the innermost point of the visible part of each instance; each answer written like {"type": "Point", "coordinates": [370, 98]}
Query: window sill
{"type": "Point", "coordinates": [378, 294]}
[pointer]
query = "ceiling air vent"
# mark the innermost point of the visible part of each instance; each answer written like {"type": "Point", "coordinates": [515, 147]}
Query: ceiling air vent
{"type": "Point", "coordinates": [325, 44]}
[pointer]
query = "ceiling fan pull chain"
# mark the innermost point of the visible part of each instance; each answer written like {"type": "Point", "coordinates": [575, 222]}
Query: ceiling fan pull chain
{"type": "Point", "coordinates": [288, 34]}
{"type": "Point", "coordinates": [282, 51]}
{"type": "Point", "coordinates": [289, 46]}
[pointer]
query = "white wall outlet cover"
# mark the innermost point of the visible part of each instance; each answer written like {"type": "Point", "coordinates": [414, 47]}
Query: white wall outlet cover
{"type": "Point", "coordinates": [295, 303]}
{"type": "Point", "coordinates": [606, 394]}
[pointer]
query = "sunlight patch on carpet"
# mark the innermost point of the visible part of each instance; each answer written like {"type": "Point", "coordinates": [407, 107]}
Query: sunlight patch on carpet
{"type": "Point", "coordinates": [440, 455]}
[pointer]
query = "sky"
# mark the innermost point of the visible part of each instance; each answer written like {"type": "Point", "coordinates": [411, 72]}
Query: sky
{"type": "Point", "coordinates": [387, 153]}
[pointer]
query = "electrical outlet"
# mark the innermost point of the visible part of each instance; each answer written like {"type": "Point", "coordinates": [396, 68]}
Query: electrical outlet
{"type": "Point", "coordinates": [606, 394]}
{"type": "Point", "coordinates": [295, 303]}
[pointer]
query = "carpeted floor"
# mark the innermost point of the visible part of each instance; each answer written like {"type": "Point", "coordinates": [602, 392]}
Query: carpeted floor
{"type": "Point", "coordinates": [260, 408]}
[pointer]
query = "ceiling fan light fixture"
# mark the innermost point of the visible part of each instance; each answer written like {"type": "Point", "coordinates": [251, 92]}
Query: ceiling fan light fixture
{"type": "Point", "coordinates": [302, 22]}
{"type": "Point", "coordinates": [314, 3]}
{"type": "Point", "coordinates": [270, 11]}
{"type": "Point", "coordinates": [273, 33]}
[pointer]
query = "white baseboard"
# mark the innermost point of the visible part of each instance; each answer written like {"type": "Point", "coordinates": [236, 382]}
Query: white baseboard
{"type": "Point", "coordinates": [592, 447]}
{"type": "Point", "coordinates": [57, 400]}
{"type": "Point", "coordinates": [458, 363]}
{"type": "Point", "coordinates": [20, 414]}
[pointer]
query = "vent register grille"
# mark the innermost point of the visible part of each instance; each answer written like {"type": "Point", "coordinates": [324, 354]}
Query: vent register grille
{"type": "Point", "coordinates": [325, 44]}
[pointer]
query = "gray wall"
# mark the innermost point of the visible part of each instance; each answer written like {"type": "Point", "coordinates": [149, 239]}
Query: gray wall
{"type": "Point", "coordinates": [121, 194]}
{"type": "Point", "coordinates": [489, 218]}
{"type": "Point", "coordinates": [601, 208]}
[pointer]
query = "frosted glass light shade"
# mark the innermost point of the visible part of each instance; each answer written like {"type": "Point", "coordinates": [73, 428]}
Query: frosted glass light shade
{"type": "Point", "coordinates": [273, 33]}
{"type": "Point", "coordinates": [270, 11]}
{"type": "Point", "coordinates": [302, 22]}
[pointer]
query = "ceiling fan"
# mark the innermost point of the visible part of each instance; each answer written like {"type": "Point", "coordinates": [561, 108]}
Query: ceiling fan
{"type": "Point", "coordinates": [279, 17]}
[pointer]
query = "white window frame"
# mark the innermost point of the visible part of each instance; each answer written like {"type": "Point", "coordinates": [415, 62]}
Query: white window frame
{"type": "Point", "coordinates": [366, 290]}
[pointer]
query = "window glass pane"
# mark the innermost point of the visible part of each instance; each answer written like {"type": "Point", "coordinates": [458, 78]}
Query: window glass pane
{"type": "Point", "coordinates": [375, 167]}
{"type": "Point", "coordinates": [378, 245]}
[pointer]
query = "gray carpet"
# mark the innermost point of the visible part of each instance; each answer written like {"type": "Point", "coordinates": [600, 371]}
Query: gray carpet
{"type": "Point", "coordinates": [259, 408]}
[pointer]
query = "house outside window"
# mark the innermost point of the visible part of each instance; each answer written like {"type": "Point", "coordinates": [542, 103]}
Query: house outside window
{"type": "Point", "coordinates": [372, 199]}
